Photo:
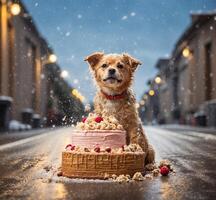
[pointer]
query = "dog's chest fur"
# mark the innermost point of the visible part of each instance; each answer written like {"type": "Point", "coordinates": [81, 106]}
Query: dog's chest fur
{"type": "Point", "coordinates": [123, 109]}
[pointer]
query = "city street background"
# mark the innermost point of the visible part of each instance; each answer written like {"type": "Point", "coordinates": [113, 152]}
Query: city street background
{"type": "Point", "coordinates": [46, 88]}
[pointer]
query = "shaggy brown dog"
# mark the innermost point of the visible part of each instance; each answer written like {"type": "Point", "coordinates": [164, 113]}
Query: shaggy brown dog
{"type": "Point", "coordinates": [114, 74]}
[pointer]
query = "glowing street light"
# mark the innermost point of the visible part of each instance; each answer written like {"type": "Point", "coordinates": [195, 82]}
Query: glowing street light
{"type": "Point", "coordinates": [158, 80]}
{"type": "Point", "coordinates": [15, 9]}
{"type": "Point", "coordinates": [52, 58]}
{"type": "Point", "coordinates": [186, 52]}
{"type": "Point", "coordinates": [151, 92]}
{"type": "Point", "coordinates": [64, 74]}
{"type": "Point", "coordinates": [76, 93]}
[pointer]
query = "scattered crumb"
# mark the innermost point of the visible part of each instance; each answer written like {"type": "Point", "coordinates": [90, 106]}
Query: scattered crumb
{"type": "Point", "coordinates": [149, 176]}
{"type": "Point", "coordinates": [150, 167]}
{"type": "Point", "coordinates": [106, 176]}
{"type": "Point", "coordinates": [48, 168]}
{"type": "Point", "coordinates": [114, 176]}
{"type": "Point", "coordinates": [138, 177]}
{"type": "Point", "coordinates": [156, 172]}
{"type": "Point", "coordinates": [122, 178]}
{"type": "Point", "coordinates": [59, 173]}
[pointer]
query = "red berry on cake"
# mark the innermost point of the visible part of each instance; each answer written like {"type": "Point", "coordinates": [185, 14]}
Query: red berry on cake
{"type": "Point", "coordinates": [67, 147]}
{"type": "Point", "coordinates": [108, 149]}
{"type": "Point", "coordinates": [84, 119]}
{"type": "Point", "coordinates": [98, 119]}
{"type": "Point", "coordinates": [97, 149]}
{"type": "Point", "coordinates": [72, 147]}
{"type": "Point", "coordinates": [164, 171]}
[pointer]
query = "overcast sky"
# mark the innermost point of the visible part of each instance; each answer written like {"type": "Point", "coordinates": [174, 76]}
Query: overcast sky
{"type": "Point", "coordinates": [146, 29]}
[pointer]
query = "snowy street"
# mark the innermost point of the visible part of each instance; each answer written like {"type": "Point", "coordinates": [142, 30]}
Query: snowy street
{"type": "Point", "coordinates": [29, 166]}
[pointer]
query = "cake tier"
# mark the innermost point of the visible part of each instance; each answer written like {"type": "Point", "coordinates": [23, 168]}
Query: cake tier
{"type": "Point", "coordinates": [103, 138]}
{"type": "Point", "coordinates": [96, 165]}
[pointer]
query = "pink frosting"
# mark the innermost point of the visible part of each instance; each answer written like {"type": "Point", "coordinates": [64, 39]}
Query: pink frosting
{"type": "Point", "coordinates": [103, 138]}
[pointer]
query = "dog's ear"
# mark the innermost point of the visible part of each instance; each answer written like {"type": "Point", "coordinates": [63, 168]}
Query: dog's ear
{"type": "Point", "coordinates": [94, 58]}
{"type": "Point", "coordinates": [131, 61]}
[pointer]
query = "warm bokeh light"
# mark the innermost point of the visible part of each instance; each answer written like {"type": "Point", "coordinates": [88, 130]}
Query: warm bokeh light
{"type": "Point", "coordinates": [52, 58]}
{"type": "Point", "coordinates": [151, 92]}
{"type": "Point", "coordinates": [64, 74]}
{"type": "Point", "coordinates": [186, 52]}
{"type": "Point", "coordinates": [158, 80]}
{"type": "Point", "coordinates": [76, 93]}
{"type": "Point", "coordinates": [15, 9]}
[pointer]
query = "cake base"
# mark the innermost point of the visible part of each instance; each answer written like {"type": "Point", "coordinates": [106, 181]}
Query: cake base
{"type": "Point", "coordinates": [98, 165]}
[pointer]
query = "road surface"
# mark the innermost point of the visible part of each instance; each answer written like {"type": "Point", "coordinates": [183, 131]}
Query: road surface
{"type": "Point", "coordinates": [28, 169]}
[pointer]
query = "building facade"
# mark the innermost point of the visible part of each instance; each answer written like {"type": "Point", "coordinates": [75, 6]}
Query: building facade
{"type": "Point", "coordinates": [187, 92]}
{"type": "Point", "coordinates": [24, 60]}
{"type": "Point", "coordinates": [194, 65]}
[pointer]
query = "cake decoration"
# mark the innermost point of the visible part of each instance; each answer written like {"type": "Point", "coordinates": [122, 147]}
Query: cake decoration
{"type": "Point", "coordinates": [98, 150]}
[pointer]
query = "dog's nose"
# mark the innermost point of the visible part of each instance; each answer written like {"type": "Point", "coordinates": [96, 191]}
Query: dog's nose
{"type": "Point", "coordinates": [112, 71]}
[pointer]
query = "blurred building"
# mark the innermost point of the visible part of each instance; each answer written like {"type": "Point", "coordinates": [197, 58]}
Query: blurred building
{"type": "Point", "coordinates": [165, 91]}
{"type": "Point", "coordinates": [24, 68]}
{"type": "Point", "coordinates": [187, 92]}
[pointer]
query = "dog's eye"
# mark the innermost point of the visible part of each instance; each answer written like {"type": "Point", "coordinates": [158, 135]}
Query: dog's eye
{"type": "Point", "coordinates": [104, 65]}
{"type": "Point", "coordinates": [120, 66]}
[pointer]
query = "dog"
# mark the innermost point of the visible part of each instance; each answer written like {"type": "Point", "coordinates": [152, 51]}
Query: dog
{"type": "Point", "coordinates": [114, 75]}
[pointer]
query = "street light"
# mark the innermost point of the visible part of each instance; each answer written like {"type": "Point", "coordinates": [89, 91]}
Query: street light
{"type": "Point", "coordinates": [15, 9]}
{"type": "Point", "coordinates": [186, 52]}
{"type": "Point", "coordinates": [158, 80]}
{"type": "Point", "coordinates": [52, 58]}
{"type": "Point", "coordinates": [76, 93]}
{"type": "Point", "coordinates": [151, 92]}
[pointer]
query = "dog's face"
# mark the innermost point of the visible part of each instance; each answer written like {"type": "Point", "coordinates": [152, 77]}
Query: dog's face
{"type": "Point", "coordinates": [112, 72]}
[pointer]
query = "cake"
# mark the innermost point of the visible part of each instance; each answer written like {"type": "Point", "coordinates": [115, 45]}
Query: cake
{"type": "Point", "coordinates": [98, 149]}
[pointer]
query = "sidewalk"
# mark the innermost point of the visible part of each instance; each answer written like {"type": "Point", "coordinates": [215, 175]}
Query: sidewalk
{"type": "Point", "coordinates": [7, 137]}
{"type": "Point", "coordinates": [179, 127]}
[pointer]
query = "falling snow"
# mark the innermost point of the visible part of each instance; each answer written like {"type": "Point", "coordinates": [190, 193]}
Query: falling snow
{"type": "Point", "coordinates": [124, 17]}
{"type": "Point", "coordinates": [132, 14]}
{"type": "Point", "coordinates": [79, 16]}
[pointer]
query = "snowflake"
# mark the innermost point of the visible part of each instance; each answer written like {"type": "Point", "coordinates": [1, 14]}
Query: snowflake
{"type": "Point", "coordinates": [36, 4]}
{"type": "Point", "coordinates": [67, 34]}
{"type": "Point", "coordinates": [79, 16]}
{"type": "Point", "coordinates": [76, 81]}
{"type": "Point", "coordinates": [124, 17]}
{"type": "Point", "coordinates": [211, 28]}
{"type": "Point", "coordinates": [132, 14]}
